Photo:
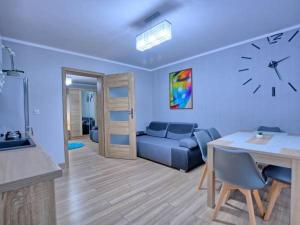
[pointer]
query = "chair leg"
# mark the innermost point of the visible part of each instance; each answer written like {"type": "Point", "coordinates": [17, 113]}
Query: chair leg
{"type": "Point", "coordinates": [278, 186]}
{"type": "Point", "coordinates": [259, 203]}
{"type": "Point", "coordinates": [270, 191]}
{"type": "Point", "coordinates": [227, 196]}
{"type": "Point", "coordinates": [223, 193]}
{"type": "Point", "coordinates": [202, 177]}
{"type": "Point", "coordinates": [248, 196]}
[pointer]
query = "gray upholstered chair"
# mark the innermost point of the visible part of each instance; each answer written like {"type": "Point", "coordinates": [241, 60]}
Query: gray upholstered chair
{"type": "Point", "coordinates": [281, 178]}
{"type": "Point", "coordinates": [238, 171]}
{"type": "Point", "coordinates": [203, 138]}
{"type": "Point", "coordinates": [269, 129]}
{"type": "Point", "coordinates": [214, 133]}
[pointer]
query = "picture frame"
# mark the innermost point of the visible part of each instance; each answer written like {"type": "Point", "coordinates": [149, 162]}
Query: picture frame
{"type": "Point", "coordinates": [181, 89]}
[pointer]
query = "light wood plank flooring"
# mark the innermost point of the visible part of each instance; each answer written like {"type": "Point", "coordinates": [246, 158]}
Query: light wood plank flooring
{"type": "Point", "coordinates": [101, 191]}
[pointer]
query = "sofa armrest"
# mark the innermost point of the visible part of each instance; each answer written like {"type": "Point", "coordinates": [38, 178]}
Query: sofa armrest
{"type": "Point", "coordinates": [186, 159]}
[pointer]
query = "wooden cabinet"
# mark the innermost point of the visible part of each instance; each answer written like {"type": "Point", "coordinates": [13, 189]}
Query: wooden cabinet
{"type": "Point", "coordinates": [27, 187]}
{"type": "Point", "coordinates": [32, 205]}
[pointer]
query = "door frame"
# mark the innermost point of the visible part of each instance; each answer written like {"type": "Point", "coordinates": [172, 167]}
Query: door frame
{"type": "Point", "coordinates": [100, 108]}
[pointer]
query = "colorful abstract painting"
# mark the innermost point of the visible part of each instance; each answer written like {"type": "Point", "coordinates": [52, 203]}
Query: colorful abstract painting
{"type": "Point", "coordinates": [181, 89]}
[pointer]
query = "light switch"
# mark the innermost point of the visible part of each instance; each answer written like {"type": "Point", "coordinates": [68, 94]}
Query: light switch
{"type": "Point", "coordinates": [36, 111]}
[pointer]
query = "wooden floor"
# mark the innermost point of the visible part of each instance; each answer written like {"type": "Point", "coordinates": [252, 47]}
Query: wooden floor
{"type": "Point", "coordinates": [98, 190]}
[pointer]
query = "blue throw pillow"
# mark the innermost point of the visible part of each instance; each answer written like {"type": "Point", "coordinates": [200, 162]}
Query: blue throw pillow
{"type": "Point", "coordinates": [189, 143]}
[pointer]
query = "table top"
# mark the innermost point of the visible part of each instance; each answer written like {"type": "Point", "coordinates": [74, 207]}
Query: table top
{"type": "Point", "coordinates": [280, 144]}
{"type": "Point", "coordinates": [24, 167]}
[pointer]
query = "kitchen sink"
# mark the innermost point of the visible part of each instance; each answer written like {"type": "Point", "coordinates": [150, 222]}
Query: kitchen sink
{"type": "Point", "coordinates": [16, 144]}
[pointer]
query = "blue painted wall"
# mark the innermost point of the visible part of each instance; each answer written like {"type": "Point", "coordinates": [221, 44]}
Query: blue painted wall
{"type": "Point", "coordinates": [43, 68]}
{"type": "Point", "coordinates": [221, 101]}
{"type": "Point", "coordinates": [1, 54]}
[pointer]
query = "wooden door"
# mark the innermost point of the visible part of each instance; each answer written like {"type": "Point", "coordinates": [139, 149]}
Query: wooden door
{"type": "Point", "coordinates": [75, 113]}
{"type": "Point", "coordinates": [119, 114]}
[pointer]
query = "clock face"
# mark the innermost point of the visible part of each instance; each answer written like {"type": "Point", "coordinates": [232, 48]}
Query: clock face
{"type": "Point", "coordinates": [270, 64]}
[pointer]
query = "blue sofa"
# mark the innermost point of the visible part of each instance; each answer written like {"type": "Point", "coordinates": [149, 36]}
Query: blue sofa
{"type": "Point", "coordinates": [94, 134]}
{"type": "Point", "coordinates": [87, 124]}
{"type": "Point", "coordinates": [171, 144]}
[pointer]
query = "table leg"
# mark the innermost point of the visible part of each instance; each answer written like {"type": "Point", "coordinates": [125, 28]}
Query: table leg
{"type": "Point", "coordinates": [295, 197]}
{"type": "Point", "coordinates": [210, 177]}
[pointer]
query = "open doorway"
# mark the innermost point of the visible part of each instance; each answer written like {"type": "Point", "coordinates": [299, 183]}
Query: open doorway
{"type": "Point", "coordinates": [83, 111]}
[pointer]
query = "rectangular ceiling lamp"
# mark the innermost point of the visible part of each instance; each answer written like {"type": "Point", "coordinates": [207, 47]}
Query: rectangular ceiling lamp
{"type": "Point", "coordinates": [156, 35]}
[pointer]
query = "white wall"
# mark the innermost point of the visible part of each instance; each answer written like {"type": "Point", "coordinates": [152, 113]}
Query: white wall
{"type": "Point", "coordinates": [43, 68]}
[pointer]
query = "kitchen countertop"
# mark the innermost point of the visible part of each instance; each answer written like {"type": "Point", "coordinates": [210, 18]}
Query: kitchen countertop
{"type": "Point", "coordinates": [24, 167]}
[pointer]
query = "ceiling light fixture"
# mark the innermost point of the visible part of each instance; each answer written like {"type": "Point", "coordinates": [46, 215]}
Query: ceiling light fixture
{"type": "Point", "coordinates": [156, 35]}
{"type": "Point", "coordinates": [68, 81]}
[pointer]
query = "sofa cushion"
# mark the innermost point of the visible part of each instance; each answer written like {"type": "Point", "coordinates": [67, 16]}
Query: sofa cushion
{"type": "Point", "coordinates": [157, 129]}
{"type": "Point", "coordinates": [189, 143]}
{"type": "Point", "coordinates": [179, 131]}
{"type": "Point", "coordinates": [168, 152]}
{"type": "Point", "coordinates": [156, 149]}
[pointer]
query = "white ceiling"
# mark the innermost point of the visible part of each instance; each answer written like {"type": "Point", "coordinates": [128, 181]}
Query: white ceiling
{"type": "Point", "coordinates": [107, 29]}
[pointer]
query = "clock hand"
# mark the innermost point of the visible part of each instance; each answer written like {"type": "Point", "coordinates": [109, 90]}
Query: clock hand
{"type": "Point", "coordinates": [275, 68]}
{"type": "Point", "coordinates": [282, 60]}
{"type": "Point", "coordinates": [274, 64]}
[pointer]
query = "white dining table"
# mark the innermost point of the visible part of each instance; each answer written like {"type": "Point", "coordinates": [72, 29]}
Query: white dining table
{"type": "Point", "coordinates": [281, 149]}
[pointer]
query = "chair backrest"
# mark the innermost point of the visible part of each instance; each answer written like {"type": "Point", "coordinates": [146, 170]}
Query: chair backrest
{"type": "Point", "coordinates": [214, 133]}
{"type": "Point", "coordinates": [269, 129]}
{"type": "Point", "coordinates": [238, 168]}
{"type": "Point", "coordinates": [203, 138]}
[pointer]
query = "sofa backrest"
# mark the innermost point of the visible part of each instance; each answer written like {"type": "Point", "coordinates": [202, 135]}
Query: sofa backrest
{"type": "Point", "coordinates": [179, 131]}
{"type": "Point", "coordinates": [157, 129]}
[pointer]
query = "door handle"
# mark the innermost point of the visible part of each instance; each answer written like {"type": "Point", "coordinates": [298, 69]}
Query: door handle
{"type": "Point", "coordinates": [130, 112]}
